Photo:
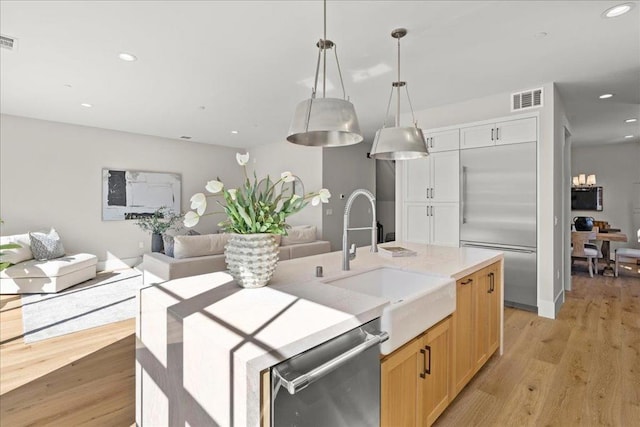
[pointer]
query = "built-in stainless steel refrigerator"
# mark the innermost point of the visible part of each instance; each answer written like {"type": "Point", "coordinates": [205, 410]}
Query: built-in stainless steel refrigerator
{"type": "Point", "coordinates": [498, 211]}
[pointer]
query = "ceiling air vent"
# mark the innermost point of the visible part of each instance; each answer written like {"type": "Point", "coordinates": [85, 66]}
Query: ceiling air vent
{"type": "Point", "coordinates": [8, 42]}
{"type": "Point", "coordinates": [524, 100]}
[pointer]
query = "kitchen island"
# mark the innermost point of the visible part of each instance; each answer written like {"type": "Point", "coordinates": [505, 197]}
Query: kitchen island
{"type": "Point", "coordinates": [203, 342]}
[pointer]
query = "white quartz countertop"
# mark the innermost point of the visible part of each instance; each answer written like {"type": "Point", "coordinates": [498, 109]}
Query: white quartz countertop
{"type": "Point", "coordinates": [245, 331]}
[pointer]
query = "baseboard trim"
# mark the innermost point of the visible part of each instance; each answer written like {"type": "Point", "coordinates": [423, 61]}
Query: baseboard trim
{"type": "Point", "coordinates": [118, 263]}
{"type": "Point", "coordinates": [550, 309]}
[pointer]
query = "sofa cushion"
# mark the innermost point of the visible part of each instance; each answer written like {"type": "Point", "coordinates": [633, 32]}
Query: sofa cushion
{"type": "Point", "coordinates": [46, 246]}
{"type": "Point", "coordinates": [299, 234]}
{"type": "Point", "coordinates": [168, 242]}
{"type": "Point", "coordinates": [202, 245]}
{"type": "Point", "coordinates": [52, 268]}
{"type": "Point", "coordinates": [14, 256]}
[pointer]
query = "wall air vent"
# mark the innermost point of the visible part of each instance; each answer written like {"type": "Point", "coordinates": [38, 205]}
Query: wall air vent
{"type": "Point", "coordinates": [7, 42]}
{"type": "Point", "coordinates": [526, 99]}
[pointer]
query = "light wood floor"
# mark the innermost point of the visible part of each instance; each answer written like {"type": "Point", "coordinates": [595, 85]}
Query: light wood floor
{"type": "Point", "coordinates": [582, 369]}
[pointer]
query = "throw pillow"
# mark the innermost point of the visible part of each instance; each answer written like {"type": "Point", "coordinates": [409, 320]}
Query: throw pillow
{"type": "Point", "coordinates": [46, 246]}
{"type": "Point", "coordinates": [299, 234]}
{"type": "Point", "coordinates": [201, 245]}
{"type": "Point", "coordinates": [14, 256]}
{"type": "Point", "coordinates": [168, 242]}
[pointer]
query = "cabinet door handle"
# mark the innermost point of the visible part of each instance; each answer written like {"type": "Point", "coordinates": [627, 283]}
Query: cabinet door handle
{"type": "Point", "coordinates": [497, 134]}
{"type": "Point", "coordinates": [431, 142]}
{"type": "Point", "coordinates": [428, 370]}
{"type": "Point", "coordinates": [433, 190]}
{"type": "Point", "coordinates": [424, 363]}
{"type": "Point", "coordinates": [492, 133]}
{"type": "Point", "coordinates": [490, 283]}
{"type": "Point", "coordinates": [466, 282]}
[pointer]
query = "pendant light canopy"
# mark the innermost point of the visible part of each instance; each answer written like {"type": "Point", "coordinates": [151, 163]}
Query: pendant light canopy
{"type": "Point", "coordinates": [325, 122]}
{"type": "Point", "coordinates": [399, 143]}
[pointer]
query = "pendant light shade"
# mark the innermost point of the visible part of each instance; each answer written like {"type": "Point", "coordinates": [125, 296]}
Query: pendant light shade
{"type": "Point", "coordinates": [325, 122]}
{"type": "Point", "coordinates": [399, 143]}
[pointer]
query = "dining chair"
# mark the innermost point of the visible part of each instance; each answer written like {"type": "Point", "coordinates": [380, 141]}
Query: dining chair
{"type": "Point", "coordinates": [581, 247]}
{"type": "Point", "coordinates": [627, 253]}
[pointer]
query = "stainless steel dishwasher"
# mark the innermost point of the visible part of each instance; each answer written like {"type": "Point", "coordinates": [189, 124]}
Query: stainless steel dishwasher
{"type": "Point", "coordinates": [334, 384]}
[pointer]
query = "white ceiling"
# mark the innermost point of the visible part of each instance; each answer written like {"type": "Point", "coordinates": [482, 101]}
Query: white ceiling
{"type": "Point", "coordinates": [245, 62]}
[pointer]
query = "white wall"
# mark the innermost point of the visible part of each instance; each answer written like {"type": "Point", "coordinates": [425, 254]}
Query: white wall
{"type": "Point", "coordinates": [345, 169]}
{"type": "Point", "coordinates": [386, 194]}
{"type": "Point", "coordinates": [498, 106]}
{"type": "Point", "coordinates": [305, 162]}
{"type": "Point", "coordinates": [617, 170]}
{"type": "Point", "coordinates": [51, 176]}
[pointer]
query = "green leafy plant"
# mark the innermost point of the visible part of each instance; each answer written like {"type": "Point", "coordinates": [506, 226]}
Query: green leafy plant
{"type": "Point", "coordinates": [258, 206]}
{"type": "Point", "coordinates": [160, 221]}
{"type": "Point", "coordinates": [4, 264]}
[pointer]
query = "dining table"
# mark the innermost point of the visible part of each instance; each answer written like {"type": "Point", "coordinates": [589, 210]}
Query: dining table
{"type": "Point", "coordinates": [606, 237]}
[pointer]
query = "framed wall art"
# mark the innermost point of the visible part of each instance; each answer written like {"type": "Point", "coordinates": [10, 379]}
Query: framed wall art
{"type": "Point", "coordinates": [129, 194]}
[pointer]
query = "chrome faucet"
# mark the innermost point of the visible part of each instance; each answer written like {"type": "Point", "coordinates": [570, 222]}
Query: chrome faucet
{"type": "Point", "coordinates": [349, 254]}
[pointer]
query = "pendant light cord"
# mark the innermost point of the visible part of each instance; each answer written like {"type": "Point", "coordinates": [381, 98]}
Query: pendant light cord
{"type": "Point", "coordinates": [324, 62]}
{"type": "Point", "coordinates": [398, 107]}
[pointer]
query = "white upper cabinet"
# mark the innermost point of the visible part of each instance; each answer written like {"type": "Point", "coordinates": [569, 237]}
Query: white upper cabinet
{"type": "Point", "coordinates": [517, 131]}
{"type": "Point", "coordinates": [435, 178]}
{"type": "Point", "coordinates": [506, 132]}
{"type": "Point", "coordinates": [443, 141]}
{"type": "Point", "coordinates": [444, 227]}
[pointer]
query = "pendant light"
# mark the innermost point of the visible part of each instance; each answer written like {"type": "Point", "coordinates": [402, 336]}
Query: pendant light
{"type": "Point", "coordinates": [399, 143]}
{"type": "Point", "coordinates": [325, 122]}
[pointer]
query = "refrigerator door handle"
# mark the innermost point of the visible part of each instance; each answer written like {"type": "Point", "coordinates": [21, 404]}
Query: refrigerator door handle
{"type": "Point", "coordinates": [463, 193]}
{"type": "Point", "coordinates": [498, 247]}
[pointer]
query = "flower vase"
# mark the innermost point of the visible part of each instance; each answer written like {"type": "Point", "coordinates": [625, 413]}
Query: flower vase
{"type": "Point", "coordinates": [156, 243]}
{"type": "Point", "coordinates": [251, 258]}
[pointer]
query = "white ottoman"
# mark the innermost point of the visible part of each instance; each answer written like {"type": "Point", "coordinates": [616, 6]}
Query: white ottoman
{"type": "Point", "coordinates": [33, 276]}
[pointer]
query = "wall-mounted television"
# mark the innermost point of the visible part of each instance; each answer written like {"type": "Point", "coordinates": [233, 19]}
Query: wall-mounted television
{"type": "Point", "coordinates": [586, 198]}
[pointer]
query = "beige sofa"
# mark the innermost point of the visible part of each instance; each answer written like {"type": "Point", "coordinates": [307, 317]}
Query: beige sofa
{"type": "Point", "coordinates": [158, 267]}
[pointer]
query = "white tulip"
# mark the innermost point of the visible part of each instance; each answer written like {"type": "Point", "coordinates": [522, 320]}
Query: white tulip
{"type": "Point", "coordinates": [191, 219]}
{"type": "Point", "coordinates": [287, 176]}
{"type": "Point", "coordinates": [315, 201]}
{"type": "Point", "coordinates": [199, 202]}
{"type": "Point", "coordinates": [242, 159]}
{"type": "Point", "coordinates": [214, 186]}
{"type": "Point", "coordinates": [324, 195]}
{"type": "Point", "coordinates": [232, 193]}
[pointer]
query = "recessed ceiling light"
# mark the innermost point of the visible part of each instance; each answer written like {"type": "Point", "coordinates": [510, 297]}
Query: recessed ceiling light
{"type": "Point", "coordinates": [541, 35]}
{"type": "Point", "coordinates": [606, 96]}
{"type": "Point", "coordinates": [68, 86]}
{"type": "Point", "coordinates": [618, 10]}
{"type": "Point", "coordinates": [235, 132]}
{"type": "Point", "coordinates": [628, 136]}
{"type": "Point", "coordinates": [127, 57]}
{"type": "Point", "coordinates": [632, 120]}
{"type": "Point", "coordinates": [185, 137]}
{"type": "Point", "coordinates": [87, 105]}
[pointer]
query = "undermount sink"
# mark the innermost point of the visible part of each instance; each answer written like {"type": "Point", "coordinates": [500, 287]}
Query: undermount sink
{"type": "Point", "coordinates": [417, 301]}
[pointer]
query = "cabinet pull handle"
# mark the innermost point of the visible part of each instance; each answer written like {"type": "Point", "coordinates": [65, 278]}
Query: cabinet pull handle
{"type": "Point", "coordinates": [431, 142]}
{"type": "Point", "coordinates": [492, 133]}
{"type": "Point", "coordinates": [433, 190]}
{"type": "Point", "coordinates": [428, 370]}
{"type": "Point", "coordinates": [424, 363]}
{"type": "Point", "coordinates": [497, 134]}
{"type": "Point", "coordinates": [490, 283]}
{"type": "Point", "coordinates": [466, 282]}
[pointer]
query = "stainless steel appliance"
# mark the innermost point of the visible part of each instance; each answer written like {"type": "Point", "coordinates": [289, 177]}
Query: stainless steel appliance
{"type": "Point", "coordinates": [334, 384]}
{"type": "Point", "coordinates": [498, 211]}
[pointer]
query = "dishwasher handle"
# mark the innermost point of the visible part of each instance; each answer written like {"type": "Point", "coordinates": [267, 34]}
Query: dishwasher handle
{"type": "Point", "coordinates": [295, 385]}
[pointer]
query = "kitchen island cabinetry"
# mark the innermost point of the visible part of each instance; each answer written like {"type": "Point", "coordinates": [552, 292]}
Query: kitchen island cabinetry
{"type": "Point", "coordinates": [420, 379]}
{"type": "Point", "coordinates": [416, 379]}
{"type": "Point", "coordinates": [476, 323]}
